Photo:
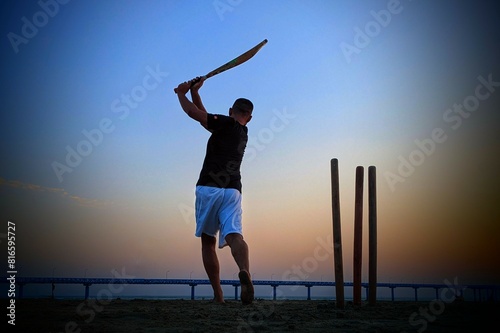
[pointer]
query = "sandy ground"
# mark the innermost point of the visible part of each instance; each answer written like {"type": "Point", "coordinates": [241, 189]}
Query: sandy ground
{"type": "Point", "coordinates": [46, 315]}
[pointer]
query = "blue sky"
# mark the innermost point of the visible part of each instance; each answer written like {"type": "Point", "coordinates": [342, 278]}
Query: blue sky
{"type": "Point", "coordinates": [105, 71]}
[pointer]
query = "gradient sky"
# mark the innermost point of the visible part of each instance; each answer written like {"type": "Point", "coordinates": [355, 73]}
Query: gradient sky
{"type": "Point", "coordinates": [368, 82]}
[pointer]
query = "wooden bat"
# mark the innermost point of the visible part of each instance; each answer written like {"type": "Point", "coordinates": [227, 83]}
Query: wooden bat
{"type": "Point", "coordinates": [237, 61]}
{"type": "Point", "coordinates": [233, 63]}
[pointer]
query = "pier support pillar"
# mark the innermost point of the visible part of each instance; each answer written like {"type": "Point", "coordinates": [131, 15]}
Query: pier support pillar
{"type": "Point", "coordinates": [87, 287]}
{"type": "Point", "coordinates": [192, 290]}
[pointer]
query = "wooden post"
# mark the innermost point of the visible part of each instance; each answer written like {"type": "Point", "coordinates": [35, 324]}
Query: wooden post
{"type": "Point", "coordinates": [358, 235]}
{"type": "Point", "coordinates": [337, 239]}
{"type": "Point", "coordinates": [372, 235]}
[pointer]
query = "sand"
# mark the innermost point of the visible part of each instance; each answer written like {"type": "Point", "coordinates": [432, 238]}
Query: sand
{"type": "Point", "coordinates": [139, 315]}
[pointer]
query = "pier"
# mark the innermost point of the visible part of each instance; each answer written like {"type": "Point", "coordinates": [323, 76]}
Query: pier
{"type": "Point", "coordinates": [480, 292]}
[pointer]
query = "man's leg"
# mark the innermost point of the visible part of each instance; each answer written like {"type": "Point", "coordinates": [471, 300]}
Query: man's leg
{"type": "Point", "coordinates": [211, 263]}
{"type": "Point", "coordinates": [239, 250]}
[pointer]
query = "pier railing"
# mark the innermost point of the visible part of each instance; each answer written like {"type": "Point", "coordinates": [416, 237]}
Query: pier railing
{"type": "Point", "coordinates": [480, 292]}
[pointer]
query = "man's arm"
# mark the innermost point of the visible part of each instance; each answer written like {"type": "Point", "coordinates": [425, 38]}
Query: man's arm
{"type": "Point", "coordinates": [195, 96]}
{"type": "Point", "coordinates": [189, 107]}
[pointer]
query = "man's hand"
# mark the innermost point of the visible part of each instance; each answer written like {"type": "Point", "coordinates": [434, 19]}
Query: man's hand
{"type": "Point", "coordinates": [182, 88]}
{"type": "Point", "coordinates": [195, 87]}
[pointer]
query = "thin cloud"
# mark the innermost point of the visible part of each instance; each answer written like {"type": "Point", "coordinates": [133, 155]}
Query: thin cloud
{"type": "Point", "coordinates": [58, 191]}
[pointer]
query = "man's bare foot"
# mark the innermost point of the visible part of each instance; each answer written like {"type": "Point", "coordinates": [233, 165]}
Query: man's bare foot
{"type": "Point", "coordinates": [247, 292]}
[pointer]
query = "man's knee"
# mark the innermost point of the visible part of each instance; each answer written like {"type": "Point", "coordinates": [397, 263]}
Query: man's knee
{"type": "Point", "coordinates": [234, 238]}
{"type": "Point", "coordinates": [208, 241]}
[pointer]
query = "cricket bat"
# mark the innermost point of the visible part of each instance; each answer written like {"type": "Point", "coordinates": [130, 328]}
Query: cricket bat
{"type": "Point", "coordinates": [233, 63]}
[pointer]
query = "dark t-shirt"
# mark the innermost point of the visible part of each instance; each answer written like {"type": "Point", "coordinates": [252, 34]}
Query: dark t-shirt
{"type": "Point", "coordinates": [225, 149]}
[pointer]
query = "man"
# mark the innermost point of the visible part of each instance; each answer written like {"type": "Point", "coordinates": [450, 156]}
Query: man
{"type": "Point", "coordinates": [218, 190]}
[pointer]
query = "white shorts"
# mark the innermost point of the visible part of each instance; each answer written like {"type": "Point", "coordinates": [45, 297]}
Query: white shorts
{"type": "Point", "coordinates": [218, 210]}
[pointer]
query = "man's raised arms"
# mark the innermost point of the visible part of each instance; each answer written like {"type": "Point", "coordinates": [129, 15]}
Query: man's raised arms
{"type": "Point", "coordinates": [194, 109]}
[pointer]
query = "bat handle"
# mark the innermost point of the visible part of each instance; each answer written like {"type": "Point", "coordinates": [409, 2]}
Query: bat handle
{"type": "Point", "coordinates": [193, 81]}
{"type": "Point", "coordinates": [196, 80]}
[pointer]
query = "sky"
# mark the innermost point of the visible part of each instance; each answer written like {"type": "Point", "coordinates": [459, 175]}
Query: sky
{"type": "Point", "coordinates": [99, 162]}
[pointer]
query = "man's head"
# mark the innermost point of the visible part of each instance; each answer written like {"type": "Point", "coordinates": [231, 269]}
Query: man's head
{"type": "Point", "coordinates": [242, 110]}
